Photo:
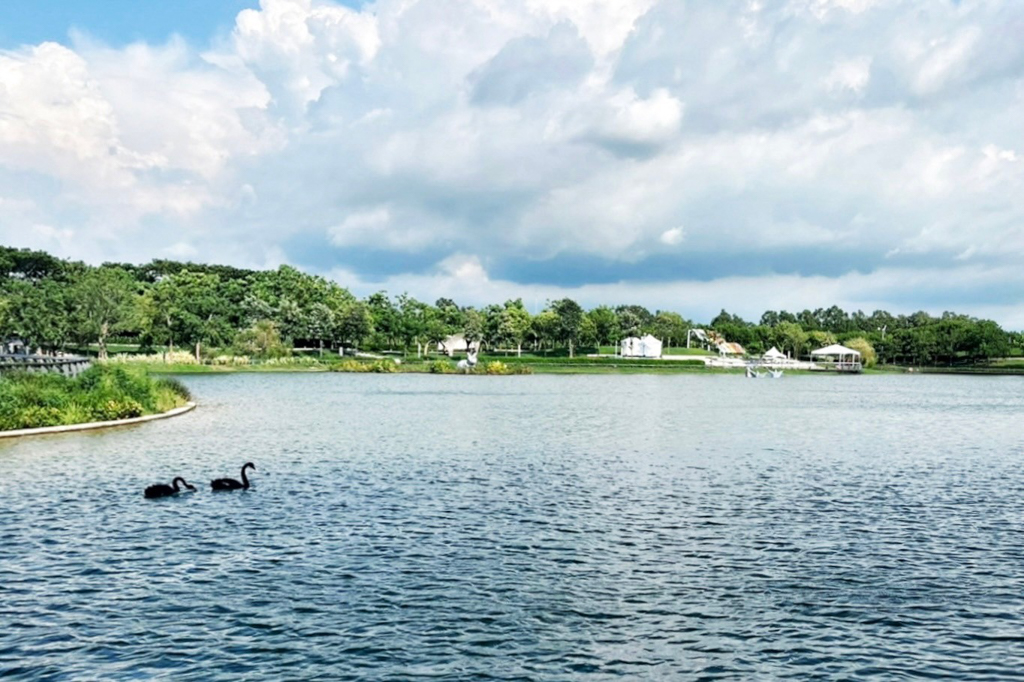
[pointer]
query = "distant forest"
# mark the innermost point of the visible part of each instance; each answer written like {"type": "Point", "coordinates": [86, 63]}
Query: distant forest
{"type": "Point", "coordinates": [55, 304]}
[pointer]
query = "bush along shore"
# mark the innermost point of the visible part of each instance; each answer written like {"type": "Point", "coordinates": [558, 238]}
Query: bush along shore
{"type": "Point", "coordinates": [102, 393]}
{"type": "Point", "coordinates": [184, 363]}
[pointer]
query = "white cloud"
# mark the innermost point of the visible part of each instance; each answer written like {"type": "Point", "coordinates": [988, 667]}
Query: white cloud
{"type": "Point", "coordinates": [852, 75]}
{"type": "Point", "coordinates": [299, 48]}
{"type": "Point", "coordinates": [827, 140]}
{"type": "Point", "coordinates": [672, 237]}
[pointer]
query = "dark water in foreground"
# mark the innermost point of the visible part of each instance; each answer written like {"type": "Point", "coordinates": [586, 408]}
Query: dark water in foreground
{"type": "Point", "coordinates": [545, 528]}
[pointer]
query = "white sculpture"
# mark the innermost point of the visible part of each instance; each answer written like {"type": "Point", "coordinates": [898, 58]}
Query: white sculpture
{"type": "Point", "coordinates": [470, 362]}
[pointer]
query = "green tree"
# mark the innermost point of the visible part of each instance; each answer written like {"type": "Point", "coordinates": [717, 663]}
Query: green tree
{"type": "Point", "coordinates": [386, 319]}
{"type": "Point", "coordinates": [867, 352]}
{"type": "Point", "coordinates": [630, 323]}
{"type": "Point", "coordinates": [570, 321]}
{"type": "Point", "coordinates": [669, 326]}
{"type": "Point", "coordinates": [355, 323]}
{"type": "Point", "coordinates": [38, 313]}
{"type": "Point", "coordinates": [261, 340]}
{"type": "Point", "coordinates": [640, 318]}
{"type": "Point", "coordinates": [472, 326]}
{"type": "Point", "coordinates": [727, 319]}
{"type": "Point", "coordinates": [791, 336]}
{"type": "Point", "coordinates": [606, 324]}
{"type": "Point", "coordinates": [544, 328]}
{"type": "Point", "coordinates": [322, 324]}
{"type": "Point", "coordinates": [492, 324]}
{"type": "Point", "coordinates": [588, 332]}
{"type": "Point", "coordinates": [186, 307]}
{"type": "Point", "coordinates": [514, 324]}
{"type": "Point", "coordinates": [449, 316]}
{"type": "Point", "coordinates": [819, 338]}
{"type": "Point", "coordinates": [104, 302]}
{"type": "Point", "coordinates": [413, 318]}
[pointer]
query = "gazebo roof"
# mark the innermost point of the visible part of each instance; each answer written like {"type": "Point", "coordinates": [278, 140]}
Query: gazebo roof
{"type": "Point", "coordinates": [774, 353]}
{"type": "Point", "coordinates": [835, 349]}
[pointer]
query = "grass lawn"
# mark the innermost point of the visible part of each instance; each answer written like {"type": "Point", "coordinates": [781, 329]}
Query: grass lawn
{"type": "Point", "coordinates": [674, 350]}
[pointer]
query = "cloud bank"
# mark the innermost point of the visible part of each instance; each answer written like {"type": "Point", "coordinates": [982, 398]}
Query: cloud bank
{"type": "Point", "coordinates": [685, 155]}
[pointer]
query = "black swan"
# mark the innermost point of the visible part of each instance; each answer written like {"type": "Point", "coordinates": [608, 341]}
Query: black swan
{"type": "Point", "coordinates": [164, 490]}
{"type": "Point", "coordinates": [232, 484]}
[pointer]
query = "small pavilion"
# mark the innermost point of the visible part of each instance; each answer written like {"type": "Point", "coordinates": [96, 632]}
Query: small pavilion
{"type": "Point", "coordinates": [839, 358]}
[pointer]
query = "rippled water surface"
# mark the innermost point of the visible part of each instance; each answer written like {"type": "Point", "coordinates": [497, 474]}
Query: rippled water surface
{"type": "Point", "coordinates": [544, 528]}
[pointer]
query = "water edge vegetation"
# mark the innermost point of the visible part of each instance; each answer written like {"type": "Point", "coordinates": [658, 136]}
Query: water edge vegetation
{"type": "Point", "coordinates": [101, 393]}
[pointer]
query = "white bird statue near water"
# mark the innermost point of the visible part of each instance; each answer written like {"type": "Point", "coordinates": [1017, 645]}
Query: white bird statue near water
{"type": "Point", "coordinates": [469, 363]}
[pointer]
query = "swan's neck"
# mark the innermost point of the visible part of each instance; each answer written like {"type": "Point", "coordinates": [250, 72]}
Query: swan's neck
{"type": "Point", "coordinates": [245, 479]}
{"type": "Point", "coordinates": [174, 483]}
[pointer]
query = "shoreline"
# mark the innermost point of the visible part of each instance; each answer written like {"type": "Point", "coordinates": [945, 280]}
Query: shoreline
{"type": "Point", "coordinates": [89, 426]}
{"type": "Point", "coordinates": [581, 368]}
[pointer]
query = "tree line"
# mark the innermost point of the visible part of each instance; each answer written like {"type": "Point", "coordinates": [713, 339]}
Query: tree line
{"type": "Point", "coordinates": [54, 304]}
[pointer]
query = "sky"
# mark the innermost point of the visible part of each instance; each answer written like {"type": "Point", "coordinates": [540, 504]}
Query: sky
{"type": "Point", "coordinates": [683, 155]}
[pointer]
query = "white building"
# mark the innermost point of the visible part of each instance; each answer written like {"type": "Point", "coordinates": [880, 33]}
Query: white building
{"type": "Point", "coordinates": [643, 347]}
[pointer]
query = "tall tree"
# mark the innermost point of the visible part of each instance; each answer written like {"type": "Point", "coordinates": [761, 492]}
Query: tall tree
{"type": "Point", "coordinates": [570, 320]}
{"type": "Point", "coordinates": [669, 326]}
{"type": "Point", "coordinates": [355, 323]}
{"type": "Point", "coordinates": [606, 324]}
{"type": "Point", "coordinates": [386, 319]}
{"type": "Point", "coordinates": [472, 326]}
{"type": "Point", "coordinates": [38, 313]}
{"type": "Point", "coordinates": [103, 304]}
{"type": "Point", "coordinates": [322, 324]}
{"type": "Point", "coordinates": [514, 324]}
{"type": "Point", "coordinates": [186, 307]}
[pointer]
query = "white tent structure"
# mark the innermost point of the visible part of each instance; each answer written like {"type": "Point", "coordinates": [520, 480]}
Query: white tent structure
{"type": "Point", "coordinates": [456, 343]}
{"type": "Point", "coordinates": [643, 347]}
{"type": "Point", "coordinates": [773, 355]}
{"type": "Point", "coordinates": [841, 358]}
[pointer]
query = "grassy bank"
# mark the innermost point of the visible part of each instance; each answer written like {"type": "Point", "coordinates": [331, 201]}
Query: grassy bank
{"type": "Point", "coordinates": [102, 393]}
{"type": "Point", "coordinates": [528, 363]}
{"type": "Point", "coordinates": [488, 364]}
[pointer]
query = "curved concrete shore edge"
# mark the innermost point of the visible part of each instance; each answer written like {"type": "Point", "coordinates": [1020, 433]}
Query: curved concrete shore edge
{"type": "Point", "coordinates": [88, 426]}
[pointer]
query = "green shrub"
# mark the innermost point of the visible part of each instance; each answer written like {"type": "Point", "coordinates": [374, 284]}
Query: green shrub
{"type": "Point", "coordinates": [383, 366]}
{"type": "Point", "coordinates": [441, 367]}
{"type": "Point", "coordinates": [102, 393]}
{"type": "Point", "coordinates": [36, 416]}
{"type": "Point", "coordinates": [350, 366]}
{"type": "Point", "coordinates": [110, 410]}
{"type": "Point", "coordinates": [174, 386]}
{"type": "Point", "coordinates": [497, 367]}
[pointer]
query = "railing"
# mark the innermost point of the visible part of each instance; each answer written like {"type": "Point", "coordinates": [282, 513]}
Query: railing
{"type": "Point", "coordinates": [844, 366]}
{"type": "Point", "coordinates": [68, 365]}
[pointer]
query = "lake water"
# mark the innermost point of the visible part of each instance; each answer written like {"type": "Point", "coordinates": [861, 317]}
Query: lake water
{"type": "Point", "coordinates": [528, 528]}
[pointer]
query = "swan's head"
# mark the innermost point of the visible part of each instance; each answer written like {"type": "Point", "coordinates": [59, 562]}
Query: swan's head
{"type": "Point", "coordinates": [249, 465]}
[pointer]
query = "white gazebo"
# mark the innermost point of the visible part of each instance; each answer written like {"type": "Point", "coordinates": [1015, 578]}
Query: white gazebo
{"type": "Point", "coordinates": [773, 355]}
{"type": "Point", "coordinates": [642, 347]}
{"type": "Point", "coordinates": [840, 358]}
